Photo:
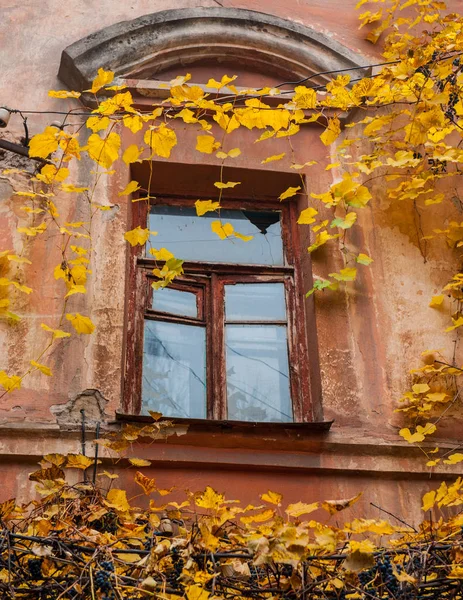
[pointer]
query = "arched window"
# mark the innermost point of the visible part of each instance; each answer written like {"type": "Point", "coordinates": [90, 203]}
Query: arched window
{"type": "Point", "coordinates": [233, 338]}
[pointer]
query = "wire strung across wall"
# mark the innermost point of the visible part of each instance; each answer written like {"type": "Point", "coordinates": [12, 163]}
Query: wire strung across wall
{"type": "Point", "coordinates": [80, 113]}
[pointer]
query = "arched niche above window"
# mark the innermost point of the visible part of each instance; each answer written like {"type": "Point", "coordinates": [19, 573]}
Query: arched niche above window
{"type": "Point", "coordinates": [147, 46]}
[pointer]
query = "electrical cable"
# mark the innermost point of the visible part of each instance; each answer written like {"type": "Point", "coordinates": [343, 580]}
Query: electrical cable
{"type": "Point", "coordinates": [76, 113]}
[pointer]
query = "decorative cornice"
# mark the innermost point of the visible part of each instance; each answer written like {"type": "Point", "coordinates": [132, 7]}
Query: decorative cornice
{"type": "Point", "coordinates": [146, 46]}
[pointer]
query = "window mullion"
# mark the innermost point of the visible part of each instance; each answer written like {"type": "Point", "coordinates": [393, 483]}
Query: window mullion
{"type": "Point", "coordinates": [217, 393]}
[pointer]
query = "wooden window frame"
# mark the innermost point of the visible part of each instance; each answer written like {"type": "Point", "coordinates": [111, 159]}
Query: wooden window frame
{"type": "Point", "coordinates": [209, 279]}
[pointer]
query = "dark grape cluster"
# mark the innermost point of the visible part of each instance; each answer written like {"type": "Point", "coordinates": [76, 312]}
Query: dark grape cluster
{"type": "Point", "coordinates": [35, 568]}
{"type": "Point", "coordinates": [366, 578]}
{"type": "Point", "coordinates": [287, 570]}
{"type": "Point", "coordinates": [174, 574]}
{"type": "Point", "coordinates": [108, 523]}
{"type": "Point", "coordinates": [387, 575]}
{"type": "Point", "coordinates": [253, 580]}
{"type": "Point", "coordinates": [102, 577]}
{"type": "Point", "coordinates": [147, 544]}
{"type": "Point", "coordinates": [424, 69]}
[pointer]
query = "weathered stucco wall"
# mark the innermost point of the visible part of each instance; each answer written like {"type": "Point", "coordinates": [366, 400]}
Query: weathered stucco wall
{"type": "Point", "coordinates": [368, 337]}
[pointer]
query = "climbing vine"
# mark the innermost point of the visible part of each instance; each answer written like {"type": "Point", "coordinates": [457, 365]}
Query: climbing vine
{"type": "Point", "coordinates": [87, 540]}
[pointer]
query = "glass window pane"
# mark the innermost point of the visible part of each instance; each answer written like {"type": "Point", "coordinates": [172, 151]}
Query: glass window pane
{"type": "Point", "coordinates": [190, 237]}
{"type": "Point", "coordinates": [174, 369]}
{"type": "Point", "coordinates": [257, 373]}
{"type": "Point", "coordinates": [255, 302]}
{"type": "Point", "coordinates": [175, 302]}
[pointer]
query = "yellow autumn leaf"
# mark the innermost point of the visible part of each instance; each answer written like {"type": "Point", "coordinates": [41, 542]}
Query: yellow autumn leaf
{"type": "Point", "coordinates": [18, 259]}
{"type": "Point", "coordinates": [206, 144]}
{"type": "Point", "coordinates": [103, 78]}
{"type": "Point", "coordinates": [42, 368]}
{"type": "Point", "coordinates": [420, 388]}
{"type": "Point", "coordinates": [245, 238]}
{"type": "Point", "coordinates": [260, 517]}
{"type": "Point", "coordinates": [273, 158]}
{"type": "Point", "coordinates": [55, 459]}
{"type": "Point", "coordinates": [229, 184]}
{"type": "Point", "coordinates": [410, 437]}
{"type": "Point", "coordinates": [456, 572]}
{"type": "Point", "coordinates": [63, 94]}
{"type": "Point", "coordinates": [78, 461]}
{"type": "Point", "coordinates": [147, 484]}
{"type": "Point", "coordinates": [196, 592]}
{"type": "Point", "coordinates": [210, 541]}
{"type": "Point", "coordinates": [334, 506]}
{"type": "Point", "coordinates": [428, 500]}
{"type": "Point", "coordinates": [233, 153]}
{"type": "Point", "coordinates": [347, 274]}
{"type": "Point", "coordinates": [76, 289]}
{"type": "Point", "coordinates": [364, 525]}
{"type": "Point", "coordinates": [298, 167]}
{"type": "Point", "coordinates": [69, 187]}
{"type": "Point", "coordinates": [223, 230]}
{"type": "Point", "coordinates": [300, 508]}
{"type": "Point", "coordinates": [332, 131]}
{"type": "Point", "coordinates": [363, 546]}
{"type": "Point", "coordinates": [204, 206]}
{"type": "Point", "coordinates": [4, 281]}
{"type": "Point", "coordinates": [456, 322]}
{"type": "Point", "coordinates": [427, 429]}
{"type": "Point", "coordinates": [137, 236]}
{"type": "Point", "coordinates": [133, 122]}
{"type": "Point", "coordinates": [108, 475]}
{"type": "Point", "coordinates": [43, 144]}
{"type": "Point", "coordinates": [209, 499]}
{"type": "Point", "coordinates": [305, 97]}
{"type": "Point", "coordinates": [213, 83]}
{"type": "Point", "coordinates": [272, 498]}
{"type": "Point", "coordinates": [161, 254]}
{"type": "Point", "coordinates": [419, 435]}
{"type": "Point", "coordinates": [80, 323]}
{"type": "Point", "coordinates": [363, 259]}
{"type": "Point", "coordinates": [117, 499]}
{"type": "Point", "coordinates": [10, 383]}
{"type": "Point", "coordinates": [57, 333]}
{"type": "Point", "coordinates": [97, 123]}
{"type": "Point", "coordinates": [161, 140]}
{"type": "Point", "coordinates": [454, 459]}
{"type": "Point", "coordinates": [346, 222]}
{"type": "Point", "coordinates": [291, 191]}
{"type": "Point", "coordinates": [187, 115]}
{"type": "Point", "coordinates": [321, 239]}
{"type": "Point", "coordinates": [104, 151]}
{"type": "Point", "coordinates": [132, 154]}
{"type": "Point", "coordinates": [130, 188]}
{"type": "Point", "coordinates": [139, 462]}
{"type": "Point", "coordinates": [307, 216]}
{"type": "Point", "coordinates": [436, 301]}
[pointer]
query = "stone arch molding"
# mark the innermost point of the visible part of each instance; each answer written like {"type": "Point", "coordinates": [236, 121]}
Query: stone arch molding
{"type": "Point", "coordinates": [148, 45]}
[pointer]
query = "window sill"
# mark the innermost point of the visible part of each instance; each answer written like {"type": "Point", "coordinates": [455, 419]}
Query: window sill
{"type": "Point", "coordinates": [236, 427]}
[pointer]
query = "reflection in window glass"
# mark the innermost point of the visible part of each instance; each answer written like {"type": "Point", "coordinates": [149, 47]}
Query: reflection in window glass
{"type": "Point", "coordinates": [255, 302]}
{"type": "Point", "coordinates": [190, 237]}
{"type": "Point", "coordinates": [174, 370]}
{"type": "Point", "coordinates": [257, 373]}
{"type": "Point", "coordinates": [175, 302]}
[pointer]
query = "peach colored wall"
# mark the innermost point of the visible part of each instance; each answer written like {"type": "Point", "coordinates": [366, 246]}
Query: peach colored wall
{"type": "Point", "coordinates": [368, 336]}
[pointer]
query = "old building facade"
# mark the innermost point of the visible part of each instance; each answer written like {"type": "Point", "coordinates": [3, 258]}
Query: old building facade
{"type": "Point", "coordinates": [331, 430]}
